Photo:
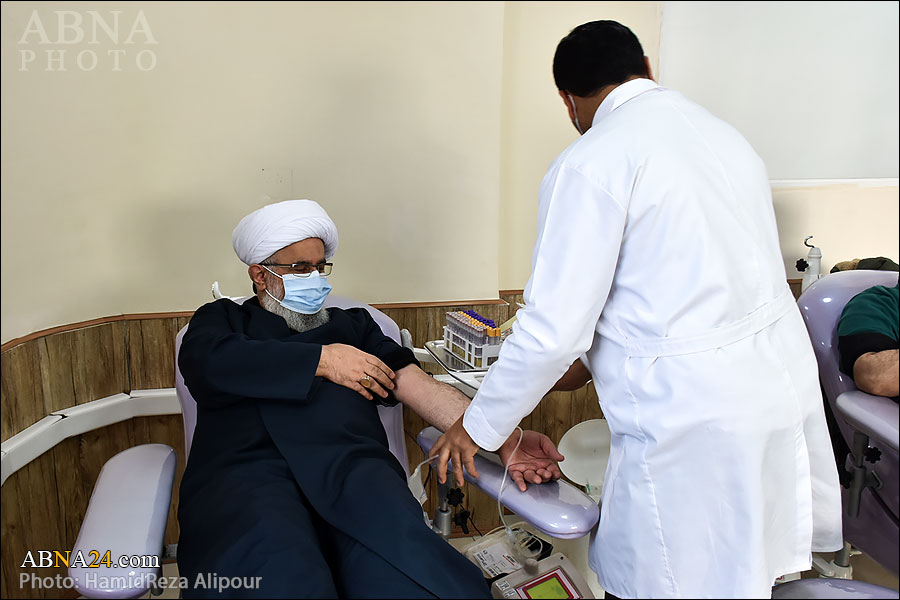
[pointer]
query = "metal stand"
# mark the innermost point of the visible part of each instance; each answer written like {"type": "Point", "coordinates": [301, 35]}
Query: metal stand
{"type": "Point", "coordinates": [442, 518]}
{"type": "Point", "coordinates": [837, 568]}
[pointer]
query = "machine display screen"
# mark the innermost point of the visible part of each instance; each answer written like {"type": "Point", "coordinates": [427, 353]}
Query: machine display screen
{"type": "Point", "coordinates": [547, 587]}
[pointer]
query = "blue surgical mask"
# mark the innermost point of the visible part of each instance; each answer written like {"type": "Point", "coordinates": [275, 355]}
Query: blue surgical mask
{"type": "Point", "coordinates": [304, 294]}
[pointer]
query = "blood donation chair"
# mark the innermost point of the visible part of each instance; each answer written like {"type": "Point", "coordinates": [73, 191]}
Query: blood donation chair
{"type": "Point", "coordinates": [869, 427]}
{"type": "Point", "coordinates": [868, 424]}
{"type": "Point", "coordinates": [130, 519]}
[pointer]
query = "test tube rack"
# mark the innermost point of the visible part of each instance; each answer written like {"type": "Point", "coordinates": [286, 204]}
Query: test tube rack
{"type": "Point", "coordinates": [472, 338]}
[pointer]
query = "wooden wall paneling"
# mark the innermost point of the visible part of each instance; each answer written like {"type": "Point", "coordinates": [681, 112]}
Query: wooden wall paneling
{"type": "Point", "coordinates": [57, 371]}
{"type": "Point", "coordinates": [585, 404]}
{"type": "Point", "coordinates": [533, 420]}
{"type": "Point", "coordinates": [405, 318]}
{"type": "Point", "coordinates": [151, 353]}
{"type": "Point", "coordinates": [21, 393]}
{"type": "Point", "coordinates": [83, 365]}
{"type": "Point", "coordinates": [430, 323]}
{"type": "Point", "coordinates": [72, 493]}
{"type": "Point", "coordinates": [69, 368]}
{"type": "Point", "coordinates": [99, 368]}
{"type": "Point", "coordinates": [179, 323]}
{"type": "Point", "coordinates": [31, 520]}
{"type": "Point", "coordinates": [560, 411]}
{"type": "Point", "coordinates": [512, 297]}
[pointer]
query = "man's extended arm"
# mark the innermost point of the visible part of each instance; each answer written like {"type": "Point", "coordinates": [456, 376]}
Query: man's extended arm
{"type": "Point", "coordinates": [442, 405]}
{"type": "Point", "coordinates": [877, 373]}
{"type": "Point", "coordinates": [438, 403]}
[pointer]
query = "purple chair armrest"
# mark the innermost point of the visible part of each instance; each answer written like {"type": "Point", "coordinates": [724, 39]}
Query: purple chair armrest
{"type": "Point", "coordinates": [876, 416]}
{"type": "Point", "coordinates": [126, 515]}
{"type": "Point", "coordinates": [557, 508]}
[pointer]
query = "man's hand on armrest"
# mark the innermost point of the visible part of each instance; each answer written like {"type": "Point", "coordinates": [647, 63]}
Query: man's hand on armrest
{"type": "Point", "coordinates": [877, 373]}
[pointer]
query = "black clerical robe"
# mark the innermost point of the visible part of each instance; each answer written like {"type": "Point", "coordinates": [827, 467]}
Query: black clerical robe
{"type": "Point", "coordinates": [290, 479]}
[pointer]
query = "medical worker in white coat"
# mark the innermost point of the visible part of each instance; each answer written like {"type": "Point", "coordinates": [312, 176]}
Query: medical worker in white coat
{"type": "Point", "coordinates": [657, 265]}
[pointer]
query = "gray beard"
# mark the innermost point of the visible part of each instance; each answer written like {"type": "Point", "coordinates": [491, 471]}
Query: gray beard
{"type": "Point", "coordinates": [296, 321]}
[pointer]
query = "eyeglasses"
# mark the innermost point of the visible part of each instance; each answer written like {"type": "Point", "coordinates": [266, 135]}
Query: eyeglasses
{"type": "Point", "coordinates": [305, 268]}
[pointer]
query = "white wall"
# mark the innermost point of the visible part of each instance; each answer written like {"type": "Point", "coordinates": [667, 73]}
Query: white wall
{"type": "Point", "coordinates": [121, 188]}
{"type": "Point", "coordinates": [847, 220]}
{"type": "Point", "coordinates": [536, 124]}
{"type": "Point", "coordinates": [812, 85]}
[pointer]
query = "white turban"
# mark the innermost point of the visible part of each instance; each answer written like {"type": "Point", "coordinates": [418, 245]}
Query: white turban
{"type": "Point", "coordinates": [264, 232]}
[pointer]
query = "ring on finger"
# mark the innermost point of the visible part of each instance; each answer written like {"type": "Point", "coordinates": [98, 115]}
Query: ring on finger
{"type": "Point", "coordinates": [366, 382]}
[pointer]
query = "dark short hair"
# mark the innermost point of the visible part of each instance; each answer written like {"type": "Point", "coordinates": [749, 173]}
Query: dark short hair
{"type": "Point", "coordinates": [595, 55]}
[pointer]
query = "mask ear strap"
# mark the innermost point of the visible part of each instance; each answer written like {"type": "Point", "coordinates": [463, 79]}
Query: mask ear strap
{"type": "Point", "coordinates": [575, 112]}
{"type": "Point", "coordinates": [267, 287]}
{"type": "Point", "coordinates": [272, 272]}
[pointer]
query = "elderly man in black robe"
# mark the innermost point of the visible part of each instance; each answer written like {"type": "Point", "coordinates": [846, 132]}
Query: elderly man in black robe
{"type": "Point", "coordinates": [290, 484]}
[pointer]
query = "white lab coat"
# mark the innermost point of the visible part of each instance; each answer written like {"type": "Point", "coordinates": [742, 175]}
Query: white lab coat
{"type": "Point", "coordinates": [657, 262]}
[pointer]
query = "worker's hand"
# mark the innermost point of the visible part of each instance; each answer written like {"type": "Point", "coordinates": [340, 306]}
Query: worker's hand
{"type": "Point", "coordinates": [534, 461]}
{"type": "Point", "coordinates": [455, 444]}
{"type": "Point", "coordinates": [349, 367]}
